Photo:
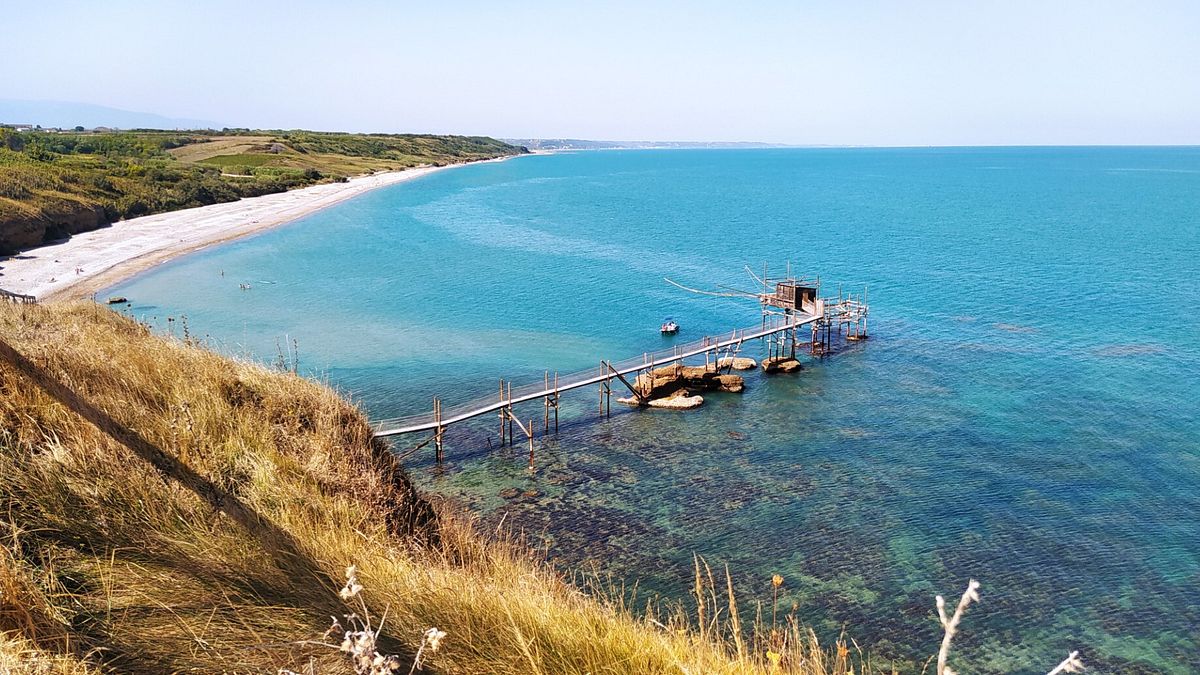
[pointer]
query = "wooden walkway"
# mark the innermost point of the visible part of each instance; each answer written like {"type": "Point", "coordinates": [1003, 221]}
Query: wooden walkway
{"type": "Point", "coordinates": [17, 297]}
{"type": "Point", "coordinates": [714, 345]}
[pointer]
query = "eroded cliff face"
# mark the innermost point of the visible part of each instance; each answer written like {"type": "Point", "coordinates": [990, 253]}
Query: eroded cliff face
{"type": "Point", "coordinates": [20, 231]}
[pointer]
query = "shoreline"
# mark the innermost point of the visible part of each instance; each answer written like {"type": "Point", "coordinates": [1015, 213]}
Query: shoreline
{"type": "Point", "coordinates": [89, 262]}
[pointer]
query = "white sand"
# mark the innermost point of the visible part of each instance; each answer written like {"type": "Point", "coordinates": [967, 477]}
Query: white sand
{"type": "Point", "coordinates": [92, 261]}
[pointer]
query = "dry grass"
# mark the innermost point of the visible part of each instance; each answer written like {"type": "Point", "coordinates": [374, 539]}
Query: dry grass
{"type": "Point", "coordinates": [218, 145]}
{"type": "Point", "coordinates": [229, 148]}
{"type": "Point", "coordinates": [215, 535]}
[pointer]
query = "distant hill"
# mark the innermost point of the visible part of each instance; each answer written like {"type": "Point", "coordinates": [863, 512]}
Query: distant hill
{"type": "Point", "coordinates": [580, 144]}
{"type": "Point", "coordinates": [64, 114]}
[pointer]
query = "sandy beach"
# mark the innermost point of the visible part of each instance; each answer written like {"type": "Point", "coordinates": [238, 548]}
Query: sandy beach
{"type": "Point", "coordinates": [92, 261]}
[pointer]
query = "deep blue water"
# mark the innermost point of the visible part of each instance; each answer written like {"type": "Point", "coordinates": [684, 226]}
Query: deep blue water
{"type": "Point", "coordinates": [1026, 412]}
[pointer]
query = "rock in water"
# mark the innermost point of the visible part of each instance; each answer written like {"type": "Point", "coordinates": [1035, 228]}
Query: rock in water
{"type": "Point", "coordinates": [678, 402]}
{"type": "Point", "coordinates": [737, 363]}
{"type": "Point", "coordinates": [731, 383]}
{"type": "Point", "coordinates": [780, 364]}
{"type": "Point", "coordinates": [666, 382]}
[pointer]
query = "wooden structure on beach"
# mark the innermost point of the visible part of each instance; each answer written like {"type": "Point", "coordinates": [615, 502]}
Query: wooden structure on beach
{"type": "Point", "coordinates": [788, 306]}
{"type": "Point", "coordinates": [17, 298]}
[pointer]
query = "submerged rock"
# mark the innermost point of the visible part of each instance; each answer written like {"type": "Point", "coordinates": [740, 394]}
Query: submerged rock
{"type": "Point", "coordinates": [510, 493]}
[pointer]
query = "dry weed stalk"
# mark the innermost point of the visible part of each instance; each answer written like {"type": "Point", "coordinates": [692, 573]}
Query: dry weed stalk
{"type": "Point", "coordinates": [1071, 664]}
{"type": "Point", "coordinates": [359, 640]}
{"type": "Point", "coordinates": [950, 624]}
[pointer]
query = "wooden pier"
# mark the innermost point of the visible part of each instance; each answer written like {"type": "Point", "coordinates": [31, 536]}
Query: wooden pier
{"type": "Point", "coordinates": [788, 305]}
{"type": "Point", "coordinates": [715, 346]}
{"type": "Point", "coordinates": [17, 298]}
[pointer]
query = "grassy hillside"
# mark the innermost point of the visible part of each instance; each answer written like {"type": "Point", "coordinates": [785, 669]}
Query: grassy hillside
{"type": "Point", "coordinates": [165, 509]}
{"type": "Point", "coordinates": [55, 184]}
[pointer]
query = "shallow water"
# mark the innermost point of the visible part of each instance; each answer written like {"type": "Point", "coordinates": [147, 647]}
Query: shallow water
{"type": "Point", "coordinates": [1026, 412]}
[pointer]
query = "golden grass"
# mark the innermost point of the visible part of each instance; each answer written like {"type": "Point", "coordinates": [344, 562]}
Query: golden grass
{"type": "Point", "coordinates": [218, 145]}
{"type": "Point", "coordinates": [326, 163]}
{"type": "Point", "coordinates": [115, 558]}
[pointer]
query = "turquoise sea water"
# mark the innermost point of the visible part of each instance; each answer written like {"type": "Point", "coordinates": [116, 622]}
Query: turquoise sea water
{"type": "Point", "coordinates": [1026, 412]}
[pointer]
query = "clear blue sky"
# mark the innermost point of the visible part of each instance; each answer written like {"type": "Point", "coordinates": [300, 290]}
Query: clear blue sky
{"type": "Point", "coordinates": [829, 72]}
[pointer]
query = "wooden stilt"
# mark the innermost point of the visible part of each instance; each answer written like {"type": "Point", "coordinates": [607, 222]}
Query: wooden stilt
{"type": "Point", "coordinates": [437, 434]}
{"type": "Point", "coordinates": [636, 394]}
{"type": "Point", "coordinates": [502, 413]}
{"type": "Point", "coordinates": [510, 414]}
{"type": "Point", "coordinates": [528, 431]}
{"type": "Point", "coordinates": [605, 390]}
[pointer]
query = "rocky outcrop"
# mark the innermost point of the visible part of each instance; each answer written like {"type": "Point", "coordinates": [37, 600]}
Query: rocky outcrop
{"type": "Point", "coordinates": [19, 231]}
{"type": "Point", "coordinates": [780, 364]}
{"type": "Point", "coordinates": [669, 381]}
{"type": "Point", "coordinates": [737, 363]}
{"type": "Point", "coordinates": [680, 400]}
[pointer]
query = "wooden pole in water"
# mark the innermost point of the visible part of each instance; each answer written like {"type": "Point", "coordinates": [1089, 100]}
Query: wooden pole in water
{"type": "Point", "coordinates": [546, 400]}
{"type": "Point", "coordinates": [437, 418]}
{"type": "Point", "coordinates": [510, 414]}
{"type": "Point", "coordinates": [556, 400]}
{"type": "Point", "coordinates": [868, 309]}
{"type": "Point", "coordinates": [531, 444]}
{"type": "Point", "coordinates": [501, 412]}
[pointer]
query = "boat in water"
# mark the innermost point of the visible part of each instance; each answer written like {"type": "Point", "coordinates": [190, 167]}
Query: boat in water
{"type": "Point", "coordinates": [669, 327]}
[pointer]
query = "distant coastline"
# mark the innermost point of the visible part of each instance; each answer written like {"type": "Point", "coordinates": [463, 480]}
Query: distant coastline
{"type": "Point", "coordinates": [89, 262]}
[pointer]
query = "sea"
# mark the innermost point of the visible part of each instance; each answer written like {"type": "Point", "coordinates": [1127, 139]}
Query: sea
{"type": "Point", "coordinates": [1026, 411]}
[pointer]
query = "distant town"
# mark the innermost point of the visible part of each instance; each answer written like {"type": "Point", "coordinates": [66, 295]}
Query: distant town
{"type": "Point", "coordinates": [56, 130]}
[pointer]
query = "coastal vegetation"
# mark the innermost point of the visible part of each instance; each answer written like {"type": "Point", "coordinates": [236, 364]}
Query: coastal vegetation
{"type": "Point", "coordinates": [53, 185]}
{"type": "Point", "coordinates": [163, 508]}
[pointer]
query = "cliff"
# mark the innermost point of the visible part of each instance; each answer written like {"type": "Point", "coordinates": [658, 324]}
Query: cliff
{"type": "Point", "coordinates": [25, 228]}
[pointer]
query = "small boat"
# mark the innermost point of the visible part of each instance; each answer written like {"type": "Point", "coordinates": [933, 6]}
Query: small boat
{"type": "Point", "coordinates": [669, 327]}
{"type": "Point", "coordinates": [118, 300]}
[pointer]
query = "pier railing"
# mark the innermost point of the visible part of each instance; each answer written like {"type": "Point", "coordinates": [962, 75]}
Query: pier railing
{"type": "Point", "coordinates": [18, 298]}
{"type": "Point", "coordinates": [558, 383]}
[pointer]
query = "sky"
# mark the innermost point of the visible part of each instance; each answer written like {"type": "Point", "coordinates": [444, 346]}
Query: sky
{"type": "Point", "coordinates": [849, 72]}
